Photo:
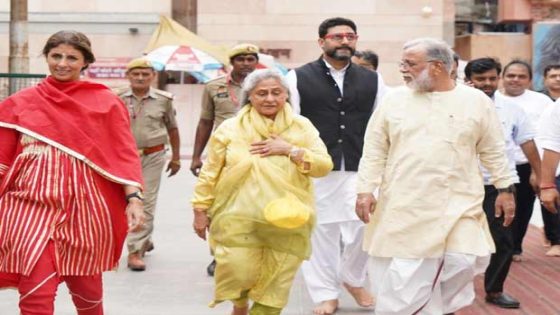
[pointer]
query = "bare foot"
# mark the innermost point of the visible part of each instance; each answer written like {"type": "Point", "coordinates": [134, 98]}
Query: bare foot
{"type": "Point", "coordinates": [240, 310]}
{"type": "Point", "coordinates": [326, 307]}
{"type": "Point", "coordinates": [361, 295]}
{"type": "Point", "coordinates": [517, 258]}
{"type": "Point", "coordinates": [554, 251]}
{"type": "Point", "coordinates": [546, 242]}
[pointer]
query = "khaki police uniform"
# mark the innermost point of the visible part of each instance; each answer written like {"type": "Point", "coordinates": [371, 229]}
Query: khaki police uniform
{"type": "Point", "coordinates": [220, 100]}
{"type": "Point", "coordinates": [150, 118]}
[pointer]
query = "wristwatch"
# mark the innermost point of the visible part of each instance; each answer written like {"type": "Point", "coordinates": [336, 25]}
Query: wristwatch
{"type": "Point", "coordinates": [294, 151]}
{"type": "Point", "coordinates": [137, 194]}
{"type": "Point", "coordinates": [509, 189]}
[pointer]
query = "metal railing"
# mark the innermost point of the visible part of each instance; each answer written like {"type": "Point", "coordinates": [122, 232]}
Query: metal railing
{"type": "Point", "coordinates": [13, 82]}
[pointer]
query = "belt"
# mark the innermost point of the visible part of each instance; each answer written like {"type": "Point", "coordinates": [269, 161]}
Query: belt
{"type": "Point", "coordinates": [150, 150]}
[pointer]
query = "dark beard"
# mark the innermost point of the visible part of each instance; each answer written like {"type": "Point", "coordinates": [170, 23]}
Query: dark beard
{"type": "Point", "coordinates": [333, 53]}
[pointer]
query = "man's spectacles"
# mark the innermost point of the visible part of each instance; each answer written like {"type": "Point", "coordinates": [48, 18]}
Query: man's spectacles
{"type": "Point", "coordinates": [339, 37]}
{"type": "Point", "coordinates": [405, 64]}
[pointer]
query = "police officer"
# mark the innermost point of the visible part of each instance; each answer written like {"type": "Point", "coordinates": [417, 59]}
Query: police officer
{"type": "Point", "coordinates": [153, 122]}
{"type": "Point", "coordinates": [220, 101]}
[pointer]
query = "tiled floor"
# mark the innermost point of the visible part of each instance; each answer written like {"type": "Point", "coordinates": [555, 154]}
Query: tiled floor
{"type": "Point", "coordinates": [175, 282]}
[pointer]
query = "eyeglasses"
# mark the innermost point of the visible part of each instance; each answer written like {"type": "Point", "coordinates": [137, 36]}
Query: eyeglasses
{"type": "Point", "coordinates": [405, 64]}
{"type": "Point", "coordinates": [249, 59]}
{"type": "Point", "coordinates": [339, 37]}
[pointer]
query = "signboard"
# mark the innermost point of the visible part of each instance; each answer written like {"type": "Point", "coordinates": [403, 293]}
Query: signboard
{"type": "Point", "coordinates": [108, 68]}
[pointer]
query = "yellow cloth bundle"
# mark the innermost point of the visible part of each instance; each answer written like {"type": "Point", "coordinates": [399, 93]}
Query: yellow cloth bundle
{"type": "Point", "coordinates": [287, 212]}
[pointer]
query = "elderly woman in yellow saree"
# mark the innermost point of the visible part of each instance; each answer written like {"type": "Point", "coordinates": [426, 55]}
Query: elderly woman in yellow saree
{"type": "Point", "coordinates": [255, 196]}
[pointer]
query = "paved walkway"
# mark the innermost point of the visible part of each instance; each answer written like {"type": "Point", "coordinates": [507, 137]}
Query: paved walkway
{"type": "Point", "coordinates": [535, 282]}
{"type": "Point", "coordinates": [175, 282]}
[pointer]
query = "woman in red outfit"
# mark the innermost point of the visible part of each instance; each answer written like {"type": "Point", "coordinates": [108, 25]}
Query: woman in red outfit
{"type": "Point", "coordinates": [70, 178]}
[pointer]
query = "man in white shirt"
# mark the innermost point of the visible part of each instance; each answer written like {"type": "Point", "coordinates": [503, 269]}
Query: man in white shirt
{"type": "Point", "coordinates": [517, 78]}
{"type": "Point", "coordinates": [338, 97]}
{"type": "Point", "coordinates": [549, 139]}
{"type": "Point", "coordinates": [429, 236]}
{"type": "Point", "coordinates": [484, 74]}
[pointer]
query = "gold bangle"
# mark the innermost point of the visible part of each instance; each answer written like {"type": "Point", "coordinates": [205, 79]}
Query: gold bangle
{"type": "Point", "coordinates": [176, 162]}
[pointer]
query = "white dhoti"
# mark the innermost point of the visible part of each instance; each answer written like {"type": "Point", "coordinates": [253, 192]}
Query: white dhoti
{"type": "Point", "coordinates": [329, 265]}
{"type": "Point", "coordinates": [428, 286]}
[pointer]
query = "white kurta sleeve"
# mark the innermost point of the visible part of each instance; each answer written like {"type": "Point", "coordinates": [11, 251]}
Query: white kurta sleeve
{"type": "Point", "coordinates": [291, 77]}
{"type": "Point", "coordinates": [381, 90]}
{"type": "Point", "coordinates": [374, 157]}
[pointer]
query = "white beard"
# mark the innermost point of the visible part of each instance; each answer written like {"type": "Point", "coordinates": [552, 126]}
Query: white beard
{"type": "Point", "coordinates": [422, 83]}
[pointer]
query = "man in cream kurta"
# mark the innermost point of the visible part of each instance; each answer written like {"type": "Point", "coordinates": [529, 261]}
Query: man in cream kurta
{"type": "Point", "coordinates": [428, 235]}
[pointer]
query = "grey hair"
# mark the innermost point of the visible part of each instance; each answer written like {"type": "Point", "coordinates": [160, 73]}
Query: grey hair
{"type": "Point", "coordinates": [435, 50]}
{"type": "Point", "coordinates": [256, 77]}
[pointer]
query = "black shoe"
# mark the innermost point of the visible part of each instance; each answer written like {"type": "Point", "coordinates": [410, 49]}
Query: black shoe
{"type": "Point", "coordinates": [502, 300]}
{"type": "Point", "coordinates": [210, 269]}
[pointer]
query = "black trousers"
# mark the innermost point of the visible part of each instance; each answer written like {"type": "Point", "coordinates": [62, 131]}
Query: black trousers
{"type": "Point", "coordinates": [552, 223]}
{"type": "Point", "coordinates": [500, 261]}
{"type": "Point", "coordinates": [524, 201]}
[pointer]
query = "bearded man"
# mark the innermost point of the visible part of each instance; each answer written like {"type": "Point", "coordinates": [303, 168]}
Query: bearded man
{"type": "Point", "coordinates": [338, 97]}
{"type": "Point", "coordinates": [428, 235]}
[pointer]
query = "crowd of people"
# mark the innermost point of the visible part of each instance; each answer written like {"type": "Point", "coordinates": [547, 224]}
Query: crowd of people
{"type": "Point", "coordinates": [400, 196]}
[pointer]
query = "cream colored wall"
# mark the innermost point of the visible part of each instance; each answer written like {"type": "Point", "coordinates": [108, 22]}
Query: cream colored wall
{"type": "Point", "coordinates": [504, 46]}
{"type": "Point", "coordinates": [105, 22]}
{"type": "Point", "coordinates": [104, 45]}
{"type": "Point", "coordinates": [161, 6]}
{"type": "Point", "coordinates": [383, 25]}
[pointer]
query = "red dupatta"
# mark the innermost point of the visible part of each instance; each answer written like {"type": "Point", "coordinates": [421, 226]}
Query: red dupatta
{"type": "Point", "coordinates": [84, 119]}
